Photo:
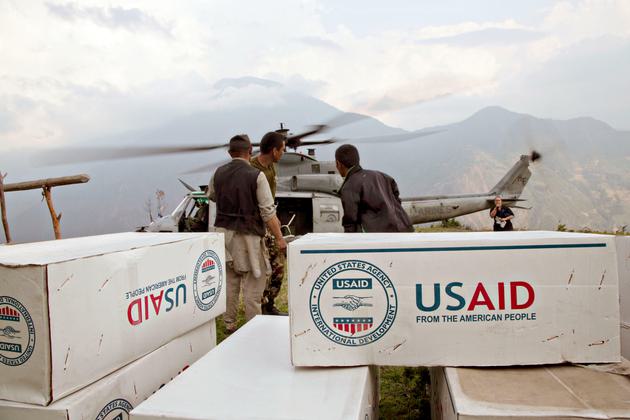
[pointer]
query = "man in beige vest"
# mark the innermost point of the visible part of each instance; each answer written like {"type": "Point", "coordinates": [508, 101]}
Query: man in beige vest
{"type": "Point", "coordinates": [245, 208]}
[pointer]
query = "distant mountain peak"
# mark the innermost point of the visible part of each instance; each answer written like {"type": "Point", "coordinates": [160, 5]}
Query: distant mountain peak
{"type": "Point", "coordinates": [496, 112]}
{"type": "Point", "coordinates": [500, 114]}
{"type": "Point", "coordinates": [241, 82]}
{"type": "Point", "coordinates": [590, 121]}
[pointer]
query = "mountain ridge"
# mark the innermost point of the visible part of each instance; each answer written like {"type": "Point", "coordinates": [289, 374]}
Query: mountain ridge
{"type": "Point", "coordinates": [582, 179]}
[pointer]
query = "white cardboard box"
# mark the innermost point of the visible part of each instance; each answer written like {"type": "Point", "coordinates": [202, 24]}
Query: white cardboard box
{"type": "Point", "coordinates": [249, 376]}
{"type": "Point", "coordinates": [453, 299]}
{"type": "Point", "coordinates": [549, 392]}
{"type": "Point", "coordinates": [623, 258]}
{"type": "Point", "coordinates": [75, 310]}
{"type": "Point", "coordinates": [114, 396]}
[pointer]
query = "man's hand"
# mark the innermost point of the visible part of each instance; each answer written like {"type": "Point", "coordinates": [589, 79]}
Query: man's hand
{"type": "Point", "coordinates": [274, 226]}
{"type": "Point", "coordinates": [282, 245]}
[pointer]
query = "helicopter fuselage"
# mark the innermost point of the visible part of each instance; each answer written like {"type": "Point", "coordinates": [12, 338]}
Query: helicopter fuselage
{"type": "Point", "coordinates": [307, 198]}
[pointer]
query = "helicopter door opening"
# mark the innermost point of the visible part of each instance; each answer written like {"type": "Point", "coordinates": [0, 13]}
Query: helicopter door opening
{"type": "Point", "coordinates": [195, 215]}
{"type": "Point", "coordinates": [301, 208]}
{"type": "Point", "coordinates": [328, 212]}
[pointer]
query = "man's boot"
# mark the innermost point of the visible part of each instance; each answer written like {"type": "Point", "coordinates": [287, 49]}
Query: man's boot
{"type": "Point", "coordinates": [270, 309]}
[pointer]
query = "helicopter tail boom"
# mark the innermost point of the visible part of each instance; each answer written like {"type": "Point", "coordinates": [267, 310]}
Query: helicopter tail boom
{"type": "Point", "coordinates": [512, 184]}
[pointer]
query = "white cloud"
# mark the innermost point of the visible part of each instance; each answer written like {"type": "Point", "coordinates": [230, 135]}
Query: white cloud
{"type": "Point", "coordinates": [315, 41]}
{"type": "Point", "coordinates": [72, 69]}
{"type": "Point", "coordinates": [574, 21]}
{"type": "Point", "coordinates": [132, 19]}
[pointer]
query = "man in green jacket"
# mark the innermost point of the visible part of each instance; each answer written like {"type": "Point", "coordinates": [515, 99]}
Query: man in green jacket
{"type": "Point", "coordinates": [271, 150]}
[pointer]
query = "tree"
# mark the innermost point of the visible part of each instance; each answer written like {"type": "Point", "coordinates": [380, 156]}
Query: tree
{"type": "Point", "coordinates": [148, 207]}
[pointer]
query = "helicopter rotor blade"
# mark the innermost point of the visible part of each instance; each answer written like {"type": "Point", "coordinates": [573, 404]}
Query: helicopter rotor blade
{"type": "Point", "coordinates": [318, 142]}
{"type": "Point", "coordinates": [215, 165]}
{"type": "Point", "coordinates": [206, 168]}
{"type": "Point", "coordinates": [296, 138]}
{"type": "Point", "coordinates": [395, 138]}
{"type": "Point", "coordinates": [86, 154]}
{"type": "Point", "coordinates": [345, 118]}
{"type": "Point", "coordinates": [340, 120]}
{"type": "Point", "coordinates": [187, 185]}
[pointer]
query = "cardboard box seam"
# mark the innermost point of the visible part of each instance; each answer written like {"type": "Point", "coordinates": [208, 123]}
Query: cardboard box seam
{"type": "Point", "coordinates": [50, 347]}
{"type": "Point", "coordinates": [172, 241]}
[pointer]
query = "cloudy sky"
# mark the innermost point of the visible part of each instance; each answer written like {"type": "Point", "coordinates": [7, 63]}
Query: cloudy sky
{"type": "Point", "coordinates": [70, 69]}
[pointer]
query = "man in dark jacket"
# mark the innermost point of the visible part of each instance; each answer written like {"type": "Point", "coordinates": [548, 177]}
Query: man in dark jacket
{"type": "Point", "coordinates": [370, 199]}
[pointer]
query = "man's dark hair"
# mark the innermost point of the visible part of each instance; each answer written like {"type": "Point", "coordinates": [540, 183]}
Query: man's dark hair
{"type": "Point", "coordinates": [348, 155]}
{"type": "Point", "coordinates": [239, 144]}
{"type": "Point", "coordinates": [271, 141]}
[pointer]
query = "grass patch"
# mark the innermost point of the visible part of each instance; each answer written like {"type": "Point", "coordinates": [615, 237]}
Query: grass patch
{"type": "Point", "coordinates": [619, 232]}
{"type": "Point", "coordinates": [448, 225]}
{"type": "Point", "coordinates": [405, 393]}
{"type": "Point", "coordinates": [282, 303]}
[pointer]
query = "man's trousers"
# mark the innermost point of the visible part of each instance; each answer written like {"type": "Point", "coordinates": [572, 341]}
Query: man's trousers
{"type": "Point", "coordinates": [253, 289]}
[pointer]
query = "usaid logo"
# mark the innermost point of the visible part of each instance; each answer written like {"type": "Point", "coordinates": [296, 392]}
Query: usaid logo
{"type": "Point", "coordinates": [115, 410]}
{"type": "Point", "coordinates": [518, 295]}
{"type": "Point", "coordinates": [353, 303]}
{"type": "Point", "coordinates": [17, 332]}
{"type": "Point", "coordinates": [207, 280]}
{"type": "Point", "coordinates": [208, 265]}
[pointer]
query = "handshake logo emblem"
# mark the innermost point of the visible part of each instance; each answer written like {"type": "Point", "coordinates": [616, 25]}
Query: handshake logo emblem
{"type": "Point", "coordinates": [17, 332]}
{"type": "Point", "coordinates": [353, 303]}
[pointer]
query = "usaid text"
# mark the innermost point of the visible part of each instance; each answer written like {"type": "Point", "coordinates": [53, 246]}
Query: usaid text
{"type": "Point", "coordinates": [144, 307]}
{"type": "Point", "coordinates": [503, 301]}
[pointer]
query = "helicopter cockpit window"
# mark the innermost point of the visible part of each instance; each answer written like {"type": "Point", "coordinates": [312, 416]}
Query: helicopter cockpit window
{"type": "Point", "coordinates": [315, 168]}
{"type": "Point", "coordinates": [196, 217]}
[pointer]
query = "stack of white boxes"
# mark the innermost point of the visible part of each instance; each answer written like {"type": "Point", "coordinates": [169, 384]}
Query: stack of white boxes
{"type": "Point", "coordinates": [90, 327]}
{"type": "Point", "coordinates": [623, 258]}
{"type": "Point", "coordinates": [551, 392]}
{"type": "Point", "coordinates": [465, 299]}
{"type": "Point", "coordinates": [454, 299]}
{"type": "Point", "coordinates": [471, 299]}
{"type": "Point", "coordinates": [249, 376]}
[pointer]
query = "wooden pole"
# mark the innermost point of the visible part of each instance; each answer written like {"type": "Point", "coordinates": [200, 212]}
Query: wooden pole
{"type": "Point", "coordinates": [48, 182]}
{"type": "Point", "coordinates": [55, 217]}
{"type": "Point", "coordinates": [3, 210]}
{"type": "Point", "coordinates": [46, 186]}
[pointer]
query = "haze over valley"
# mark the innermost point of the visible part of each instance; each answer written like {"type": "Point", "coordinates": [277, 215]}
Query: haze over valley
{"type": "Point", "coordinates": [581, 181]}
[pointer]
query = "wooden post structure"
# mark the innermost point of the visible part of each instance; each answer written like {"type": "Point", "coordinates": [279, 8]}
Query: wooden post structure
{"type": "Point", "coordinates": [46, 186]}
{"type": "Point", "coordinates": [53, 214]}
{"type": "Point", "coordinates": [3, 210]}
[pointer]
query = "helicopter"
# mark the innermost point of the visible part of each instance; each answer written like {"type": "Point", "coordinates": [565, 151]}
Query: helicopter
{"type": "Point", "coordinates": [307, 193]}
{"type": "Point", "coordinates": [307, 189]}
